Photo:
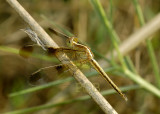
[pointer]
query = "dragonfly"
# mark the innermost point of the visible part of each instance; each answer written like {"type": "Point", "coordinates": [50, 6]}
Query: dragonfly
{"type": "Point", "coordinates": [80, 51]}
{"type": "Point", "coordinates": [59, 70]}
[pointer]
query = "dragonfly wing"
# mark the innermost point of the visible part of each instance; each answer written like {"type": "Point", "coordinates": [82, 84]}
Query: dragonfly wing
{"type": "Point", "coordinates": [73, 54]}
{"type": "Point", "coordinates": [58, 33]}
{"type": "Point", "coordinates": [26, 51]}
{"type": "Point", "coordinates": [48, 74]}
{"type": "Point", "coordinates": [34, 37]}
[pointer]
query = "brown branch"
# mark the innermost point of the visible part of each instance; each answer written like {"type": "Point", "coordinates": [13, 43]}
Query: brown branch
{"type": "Point", "coordinates": [78, 75]}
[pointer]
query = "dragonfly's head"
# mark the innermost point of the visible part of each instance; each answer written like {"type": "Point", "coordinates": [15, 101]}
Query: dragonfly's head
{"type": "Point", "coordinates": [71, 41]}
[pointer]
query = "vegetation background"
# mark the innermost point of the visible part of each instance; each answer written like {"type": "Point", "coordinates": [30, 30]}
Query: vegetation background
{"type": "Point", "coordinates": [80, 18]}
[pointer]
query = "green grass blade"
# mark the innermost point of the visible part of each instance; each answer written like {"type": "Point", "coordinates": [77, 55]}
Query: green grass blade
{"type": "Point", "coordinates": [149, 44]}
{"type": "Point", "coordinates": [38, 56]}
{"type": "Point", "coordinates": [83, 98]}
{"type": "Point", "coordinates": [51, 84]}
{"type": "Point", "coordinates": [101, 14]}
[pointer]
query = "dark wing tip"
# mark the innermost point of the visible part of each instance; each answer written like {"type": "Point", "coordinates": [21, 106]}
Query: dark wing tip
{"type": "Point", "coordinates": [53, 31]}
{"type": "Point", "coordinates": [26, 51]}
{"type": "Point", "coordinates": [51, 51]}
{"type": "Point", "coordinates": [34, 78]}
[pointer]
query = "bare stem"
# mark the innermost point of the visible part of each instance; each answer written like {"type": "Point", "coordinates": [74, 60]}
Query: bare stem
{"type": "Point", "coordinates": [78, 75]}
{"type": "Point", "coordinates": [139, 36]}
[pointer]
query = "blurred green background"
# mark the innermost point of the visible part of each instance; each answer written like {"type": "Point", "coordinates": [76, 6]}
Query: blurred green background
{"type": "Point", "coordinates": [81, 19]}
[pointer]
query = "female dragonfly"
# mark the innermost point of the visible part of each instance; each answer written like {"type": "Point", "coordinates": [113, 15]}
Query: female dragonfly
{"type": "Point", "coordinates": [77, 50]}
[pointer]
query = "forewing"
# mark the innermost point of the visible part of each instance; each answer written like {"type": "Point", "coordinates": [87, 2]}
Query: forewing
{"type": "Point", "coordinates": [73, 54]}
{"type": "Point", "coordinates": [26, 51]}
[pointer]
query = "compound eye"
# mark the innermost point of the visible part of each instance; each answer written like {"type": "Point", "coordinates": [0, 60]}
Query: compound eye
{"type": "Point", "coordinates": [75, 39]}
{"type": "Point", "coordinates": [69, 43]}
